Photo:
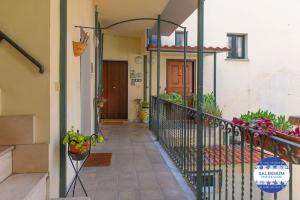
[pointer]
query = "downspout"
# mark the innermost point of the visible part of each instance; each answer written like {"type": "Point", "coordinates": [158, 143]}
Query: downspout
{"type": "Point", "coordinates": [62, 95]}
{"type": "Point", "coordinates": [215, 77]}
{"type": "Point", "coordinates": [96, 71]}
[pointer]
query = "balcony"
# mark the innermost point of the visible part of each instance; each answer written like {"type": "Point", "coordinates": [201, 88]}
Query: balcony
{"type": "Point", "coordinates": [226, 155]}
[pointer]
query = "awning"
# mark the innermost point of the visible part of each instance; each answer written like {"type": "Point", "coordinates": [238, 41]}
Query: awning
{"type": "Point", "coordinates": [189, 49]}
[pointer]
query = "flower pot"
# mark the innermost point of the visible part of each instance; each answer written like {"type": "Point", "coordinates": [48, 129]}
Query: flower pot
{"type": "Point", "coordinates": [76, 151]}
{"type": "Point", "coordinates": [144, 114]}
{"type": "Point", "coordinates": [269, 144]}
{"type": "Point", "coordinates": [76, 154]}
{"type": "Point", "coordinates": [78, 48]}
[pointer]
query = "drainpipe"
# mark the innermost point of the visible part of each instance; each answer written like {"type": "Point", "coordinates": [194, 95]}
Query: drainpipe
{"type": "Point", "coordinates": [62, 95]}
{"type": "Point", "coordinates": [96, 70]}
{"type": "Point", "coordinates": [158, 74]}
{"type": "Point", "coordinates": [184, 68]}
{"type": "Point", "coordinates": [215, 77]}
{"type": "Point", "coordinates": [200, 66]}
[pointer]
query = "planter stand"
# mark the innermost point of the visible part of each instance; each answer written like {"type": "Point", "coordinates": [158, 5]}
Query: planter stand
{"type": "Point", "coordinates": [79, 160]}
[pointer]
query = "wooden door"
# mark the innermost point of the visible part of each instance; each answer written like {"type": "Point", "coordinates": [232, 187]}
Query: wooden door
{"type": "Point", "coordinates": [115, 89]}
{"type": "Point", "coordinates": [175, 78]}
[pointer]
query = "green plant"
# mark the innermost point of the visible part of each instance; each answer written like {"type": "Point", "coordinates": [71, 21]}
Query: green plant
{"type": "Point", "coordinates": [172, 97]}
{"type": "Point", "coordinates": [279, 122]}
{"type": "Point", "coordinates": [145, 104]}
{"type": "Point", "coordinates": [208, 105]}
{"type": "Point", "coordinates": [81, 142]}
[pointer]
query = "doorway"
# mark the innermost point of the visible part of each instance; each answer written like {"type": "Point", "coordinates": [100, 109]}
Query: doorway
{"type": "Point", "coordinates": [175, 78]}
{"type": "Point", "coordinates": [115, 89]}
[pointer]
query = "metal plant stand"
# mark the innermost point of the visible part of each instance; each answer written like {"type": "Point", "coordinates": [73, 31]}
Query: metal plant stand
{"type": "Point", "coordinates": [79, 161]}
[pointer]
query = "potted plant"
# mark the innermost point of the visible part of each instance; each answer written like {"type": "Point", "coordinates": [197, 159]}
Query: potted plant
{"type": "Point", "coordinates": [79, 145]}
{"type": "Point", "coordinates": [144, 112]}
{"type": "Point", "coordinates": [173, 98]}
{"type": "Point", "coordinates": [265, 123]}
{"type": "Point", "coordinates": [100, 100]}
{"type": "Point", "coordinates": [209, 106]}
{"type": "Point", "coordinates": [79, 47]}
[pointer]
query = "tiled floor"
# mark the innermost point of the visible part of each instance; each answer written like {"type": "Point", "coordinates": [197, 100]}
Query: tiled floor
{"type": "Point", "coordinates": [138, 171]}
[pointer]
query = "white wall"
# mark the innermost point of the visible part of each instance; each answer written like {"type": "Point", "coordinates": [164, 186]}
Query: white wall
{"type": "Point", "coordinates": [270, 78]}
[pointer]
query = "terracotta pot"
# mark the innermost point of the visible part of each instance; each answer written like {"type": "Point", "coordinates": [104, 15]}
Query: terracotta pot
{"type": "Point", "coordinates": [269, 145]}
{"type": "Point", "coordinates": [76, 151]}
{"type": "Point", "coordinates": [282, 146]}
{"type": "Point", "coordinates": [78, 48]}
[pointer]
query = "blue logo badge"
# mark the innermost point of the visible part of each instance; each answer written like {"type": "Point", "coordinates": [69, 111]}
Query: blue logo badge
{"type": "Point", "coordinates": [271, 174]}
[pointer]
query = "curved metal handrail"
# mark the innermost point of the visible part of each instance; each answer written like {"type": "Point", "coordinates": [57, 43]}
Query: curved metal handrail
{"type": "Point", "coordinates": [131, 20]}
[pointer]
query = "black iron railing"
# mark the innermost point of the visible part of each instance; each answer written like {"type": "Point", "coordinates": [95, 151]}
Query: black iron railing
{"type": "Point", "coordinates": [22, 51]}
{"type": "Point", "coordinates": [230, 152]}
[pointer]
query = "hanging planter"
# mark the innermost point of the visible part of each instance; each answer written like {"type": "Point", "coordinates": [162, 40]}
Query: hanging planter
{"type": "Point", "coordinates": [79, 47]}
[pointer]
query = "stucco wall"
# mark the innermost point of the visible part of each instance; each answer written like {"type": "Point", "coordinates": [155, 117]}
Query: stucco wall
{"type": "Point", "coordinates": [24, 90]}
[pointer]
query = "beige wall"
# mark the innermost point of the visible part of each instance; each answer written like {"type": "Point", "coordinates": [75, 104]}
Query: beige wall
{"type": "Point", "coordinates": [24, 90]}
{"type": "Point", "coordinates": [126, 49]}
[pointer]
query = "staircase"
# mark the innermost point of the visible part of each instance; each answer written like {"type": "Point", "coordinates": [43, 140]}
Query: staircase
{"type": "Point", "coordinates": [23, 162]}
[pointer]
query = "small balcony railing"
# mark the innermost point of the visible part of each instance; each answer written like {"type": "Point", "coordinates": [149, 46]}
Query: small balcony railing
{"type": "Point", "coordinates": [229, 152]}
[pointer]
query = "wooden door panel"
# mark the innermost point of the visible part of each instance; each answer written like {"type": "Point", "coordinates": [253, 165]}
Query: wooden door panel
{"type": "Point", "coordinates": [115, 85]}
{"type": "Point", "coordinates": [175, 77]}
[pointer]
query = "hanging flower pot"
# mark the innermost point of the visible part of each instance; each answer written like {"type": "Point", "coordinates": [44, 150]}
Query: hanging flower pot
{"type": "Point", "coordinates": [79, 48]}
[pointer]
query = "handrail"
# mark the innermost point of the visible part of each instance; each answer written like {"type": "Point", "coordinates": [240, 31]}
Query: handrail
{"type": "Point", "coordinates": [22, 51]}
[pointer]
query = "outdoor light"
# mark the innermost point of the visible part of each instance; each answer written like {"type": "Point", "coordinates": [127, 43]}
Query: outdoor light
{"type": "Point", "coordinates": [138, 60]}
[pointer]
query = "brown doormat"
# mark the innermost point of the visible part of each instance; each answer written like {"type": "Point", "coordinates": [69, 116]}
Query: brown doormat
{"type": "Point", "coordinates": [112, 123]}
{"type": "Point", "coordinates": [98, 159]}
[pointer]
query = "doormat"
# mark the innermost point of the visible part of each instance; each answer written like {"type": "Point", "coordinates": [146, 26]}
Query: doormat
{"type": "Point", "coordinates": [99, 160]}
{"type": "Point", "coordinates": [115, 122]}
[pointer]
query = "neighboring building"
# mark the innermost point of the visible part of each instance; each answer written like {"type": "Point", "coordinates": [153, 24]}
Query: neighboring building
{"type": "Point", "coordinates": [262, 70]}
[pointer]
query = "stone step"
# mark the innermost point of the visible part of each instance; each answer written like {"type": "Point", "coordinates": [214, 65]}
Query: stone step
{"type": "Point", "coordinates": [17, 129]}
{"type": "Point", "coordinates": [31, 158]}
{"type": "Point", "coordinates": [24, 187]}
{"type": "Point", "coordinates": [5, 162]}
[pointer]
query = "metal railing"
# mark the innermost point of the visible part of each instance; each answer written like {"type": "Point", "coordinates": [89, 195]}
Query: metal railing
{"type": "Point", "coordinates": [230, 152]}
{"type": "Point", "coordinates": [22, 51]}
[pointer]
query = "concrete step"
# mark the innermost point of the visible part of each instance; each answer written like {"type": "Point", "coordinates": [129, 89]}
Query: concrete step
{"type": "Point", "coordinates": [5, 162]}
{"type": "Point", "coordinates": [17, 129]}
{"type": "Point", "coordinates": [31, 158]}
{"type": "Point", "coordinates": [24, 187]}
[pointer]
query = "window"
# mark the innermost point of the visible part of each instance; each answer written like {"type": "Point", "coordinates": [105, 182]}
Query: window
{"type": "Point", "coordinates": [153, 40]}
{"type": "Point", "coordinates": [179, 38]}
{"type": "Point", "coordinates": [237, 42]}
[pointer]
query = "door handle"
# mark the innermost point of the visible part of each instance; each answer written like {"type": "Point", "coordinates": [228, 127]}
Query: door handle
{"type": "Point", "coordinates": [114, 87]}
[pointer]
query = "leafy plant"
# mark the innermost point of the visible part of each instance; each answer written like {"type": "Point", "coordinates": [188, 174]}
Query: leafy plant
{"type": "Point", "coordinates": [209, 105]}
{"type": "Point", "coordinates": [81, 142]}
{"type": "Point", "coordinates": [279, 122]}
{"type": "Point", "coordinates": [145, 104]}
{"type": "Point", "coordinates": [172, 97]}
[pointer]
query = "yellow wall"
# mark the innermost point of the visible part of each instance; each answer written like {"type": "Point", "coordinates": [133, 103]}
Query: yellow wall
{"type": "Point", "coordinates": [24, 90]}
{"type": "Point", "coordinates": [126, 49]}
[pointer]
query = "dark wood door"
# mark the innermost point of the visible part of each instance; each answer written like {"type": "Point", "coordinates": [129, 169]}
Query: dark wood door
{"type": "Point", "coordinates": [175, 78]}
{"type": "Point", "coordinates": [115, 89]}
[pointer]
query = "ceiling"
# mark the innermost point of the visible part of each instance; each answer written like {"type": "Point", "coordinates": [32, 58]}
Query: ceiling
{"type": "Point", "coordinates": [112, 11]}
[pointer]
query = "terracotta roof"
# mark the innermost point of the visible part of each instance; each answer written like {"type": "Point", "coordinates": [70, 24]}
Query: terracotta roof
{"type": "Point", "coordinates": [237, 155]}
{"type": "Point", "coordinates": [190, 49]}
